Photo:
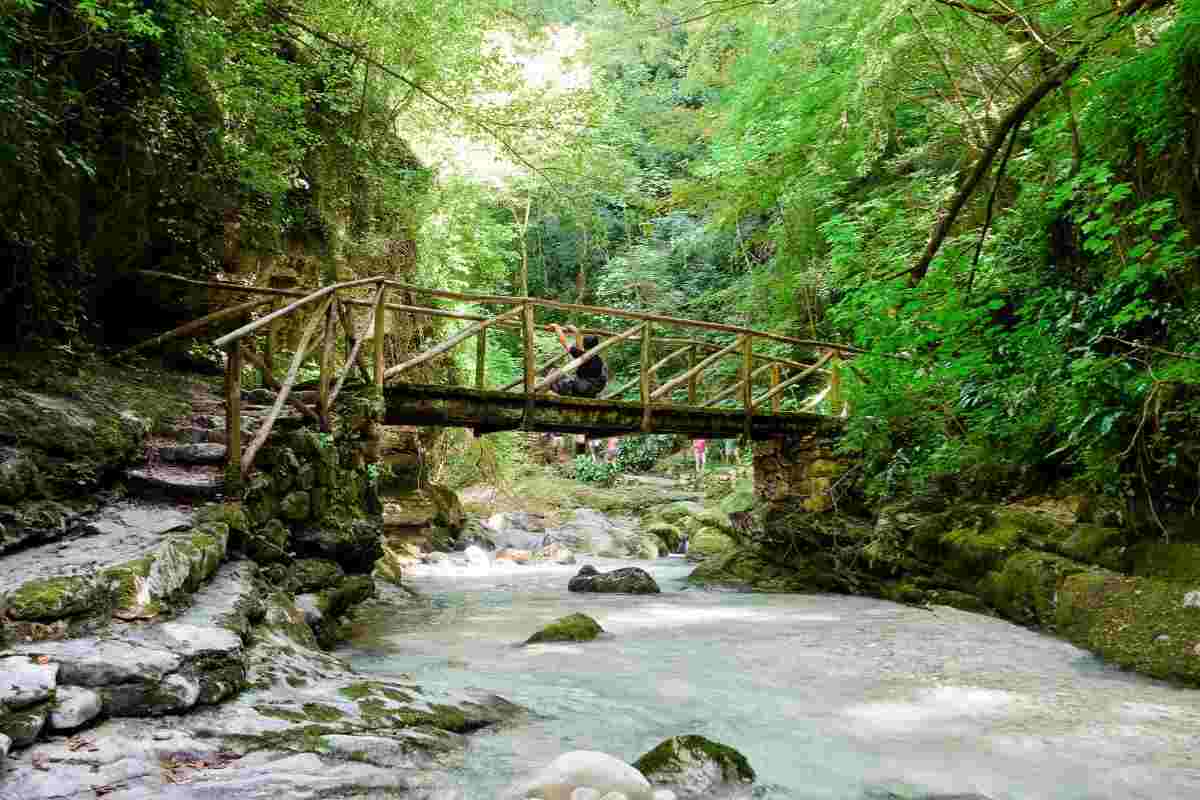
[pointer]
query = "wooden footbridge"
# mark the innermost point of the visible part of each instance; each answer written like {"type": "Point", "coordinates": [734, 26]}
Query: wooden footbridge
{"type": "Point", "coordinates": [645, 401]}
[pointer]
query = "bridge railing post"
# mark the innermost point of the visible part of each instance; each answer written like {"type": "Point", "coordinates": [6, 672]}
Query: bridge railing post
{"type": "Point", "coordinates": [644, 367]}
{"type": "Point", "coordinates": [529, 373]}
{"type": "Point", "coordinates": [748, 386]}
{"type": "Point", "coordinates": [233, 417]}
{"type": "Point", "coordinates": [327, 351]}
{"type": "Point", "coordinates": [775, 398]}
{"type": "Point", "coordinates": [693, 394]}
{"type": "Point", "coordinates": [481, 360]}
{"type": "Point", "coordinates": [380, 331]}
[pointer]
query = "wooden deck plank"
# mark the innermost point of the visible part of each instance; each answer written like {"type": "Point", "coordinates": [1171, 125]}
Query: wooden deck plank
{"type": "Point", "coordinates": [489, 411]}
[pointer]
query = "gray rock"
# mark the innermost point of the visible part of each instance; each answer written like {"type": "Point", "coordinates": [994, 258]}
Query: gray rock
{"type": "Point", "coordinates": [74, 707]}
{"type": "Point", "coordinates": [175, 482]}
{"type": "Point", "coordinates": [312, 729]}
{"type": "Point", "coordinates": [515, 529]}
{"type": "Point", "coordinates": [177, 693]}
{"type": "Point", "coordinates": [231, 600]}
{"type": "Point", "coordinates": [24, 682]}
{"type": "Point", "coordinates": [209, 453]}
{"type": "Point", "coordinates": [310, 606]}
{"type": "Point", "coordinates": [628, 580]}
{"type": "Point", "coordinates": [589, 531]}
{"type": "Point", "coordinates": [106, 662]}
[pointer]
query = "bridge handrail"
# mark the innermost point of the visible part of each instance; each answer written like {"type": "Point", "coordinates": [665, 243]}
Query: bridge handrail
{"type": "Point", "coordinates": [335, 309]}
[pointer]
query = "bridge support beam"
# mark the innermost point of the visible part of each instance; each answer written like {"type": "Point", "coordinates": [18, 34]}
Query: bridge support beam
{"type": "Point", "coordinates": [802, 469]}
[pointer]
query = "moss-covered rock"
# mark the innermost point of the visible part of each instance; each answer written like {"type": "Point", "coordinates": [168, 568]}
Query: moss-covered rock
{"type": "Point", "coordinates": [740, 501]}
{"type": "Point", "coordinates": [714, 518]}
{"type": "Point", "coordinates": [23, 726]}
{"type": "Point", "coordinates": [644, 546]}
{"type": "Point", "coordinates": [669, 536]}
{"type": "Point", "coordinates": [708, 542]}
{"type": "Point", "coordinates": [233, 515]}
{"type": "Point", "coordinates": [1025, 588]}
{"type": "Point", "coordinates": [313, 574]}
{"type": "Point", "coordinates": [1174, 561]}
{"type": "Point", "coordinates": [1148, 625]}
{"type": "Point", "coordinates": [296, 506]}
{"type": "Point", "coordinates": [50, 599]}
{"type": "Point", "coordinates": [1096, 544]}
{"type": "Point", "coordinates": [627, 580]}
{"type": "Point", "coordinates": [571, 628]}
{"type": "Point", "coordinates": [694, 767]}
{"type": "Point", "coordinates": [350, 592]}
{"type": "Point", "coordinates": [269, 543]}
{"type": "Point", "coordinates": [19, 476]}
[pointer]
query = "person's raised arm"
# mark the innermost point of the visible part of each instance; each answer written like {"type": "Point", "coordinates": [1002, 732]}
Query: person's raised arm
{"type": "Point", "coordinates": [562, 339]}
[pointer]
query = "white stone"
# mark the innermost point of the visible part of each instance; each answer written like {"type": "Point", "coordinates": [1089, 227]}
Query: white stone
{"type": "Point", "coordinates": [476, 557]}
{"type": "Point", "coordinates": [664, 794]}
{"type": "Point", "coordinates": [185, 690]}
{"type": "Point", "coordinates": [74, 706]}
{"type": "Point", "coordinates": [5, 744]}
{"type": "Point", "coordinates": [24, 682]}
{"type": "Point", "coordinates": [585, 793]}
{"type": "Point", "coordinates": [1191, 600]}
{"type": "Point", "coordinates": [588, 768]}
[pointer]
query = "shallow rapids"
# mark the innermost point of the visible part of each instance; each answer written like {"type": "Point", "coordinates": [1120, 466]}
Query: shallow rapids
{"type": "Point", "coordinates": [827, 696]}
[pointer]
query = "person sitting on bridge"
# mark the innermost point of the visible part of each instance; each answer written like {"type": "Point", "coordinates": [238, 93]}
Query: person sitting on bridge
{"type": "Point", "coordinates": [591, 377]}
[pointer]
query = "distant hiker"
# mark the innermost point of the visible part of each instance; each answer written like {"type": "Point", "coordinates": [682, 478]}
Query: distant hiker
{"type": "Point", "coordinates": [613, 447]}
{"type": "Point", "coordinates": [592, 375]}
{"type": "Point", "coordinates": [699, 446]}
{"type": "Point", "coordinates": [730, 451]}
{"type": "Point", "coordinates": [596, 450]}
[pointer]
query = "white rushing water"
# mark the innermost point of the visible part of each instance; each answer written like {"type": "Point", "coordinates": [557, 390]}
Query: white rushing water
{"type": "Point", "coordinates": [828, 696]}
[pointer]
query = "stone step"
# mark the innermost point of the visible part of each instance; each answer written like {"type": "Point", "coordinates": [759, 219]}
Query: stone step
{"type": "Point", "coordinates": [128, 670]}
{"type": "Point", "coordinates": [136, 559]}
{"type": "Point", "coordinates": [176, 482]}
{"type": "Point", "coordinates": [200, 453]}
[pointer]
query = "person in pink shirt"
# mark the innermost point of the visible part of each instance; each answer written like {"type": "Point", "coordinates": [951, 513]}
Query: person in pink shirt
{"type": "Point", "coordinates": [699, 448]}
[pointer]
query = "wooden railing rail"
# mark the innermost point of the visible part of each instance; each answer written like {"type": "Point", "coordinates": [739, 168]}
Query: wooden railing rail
{"type": "Point", "coordinates": [799, 376]}
{"type": "Point", "coordinates": [466, 297]}
{"type": "Point", "coordinates": [332, 317]}
{"type": "Point", "coordinates": [465, 333]}
{"type": "Point", "coordinates": [550, 362]}
{"type": "Point", "coordinates": [679, 380]}
{"type": "Point", "coordinates": [733, 388]}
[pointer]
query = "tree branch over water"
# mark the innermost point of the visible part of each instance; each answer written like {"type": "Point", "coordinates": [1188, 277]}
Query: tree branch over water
{"type": "Point", "coordinates": [1054, 80]}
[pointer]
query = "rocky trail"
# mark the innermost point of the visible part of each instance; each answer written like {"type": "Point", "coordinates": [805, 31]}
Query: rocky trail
{"type": "Point", "coordinates": [142, 656]}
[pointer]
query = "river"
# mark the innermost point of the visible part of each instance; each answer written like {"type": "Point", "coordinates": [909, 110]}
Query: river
{"type": "Point", "coordinates": [828, 696]}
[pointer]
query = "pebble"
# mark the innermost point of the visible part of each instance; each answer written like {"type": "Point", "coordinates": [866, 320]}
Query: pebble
{"type": "Point", "coordinates": [162, 736]}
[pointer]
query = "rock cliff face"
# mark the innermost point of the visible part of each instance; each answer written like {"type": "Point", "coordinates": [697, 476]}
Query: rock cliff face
{"type": "Point", "coordinates": [1132, 600]}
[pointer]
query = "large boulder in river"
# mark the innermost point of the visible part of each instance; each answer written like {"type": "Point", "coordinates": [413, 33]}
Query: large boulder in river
{"type": "Point", "coordinates": [694, 767]}
{"type": "Point", "coordinates": [589, 531]}
{"type": "Point", "coordinates": [587, 769]}
{"type": "Point", "coordinates": [571, 628]}
{"type": "Point", "coordinates": [516, 529]}
{"type": "Point", "coordinates": [628, 580]}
